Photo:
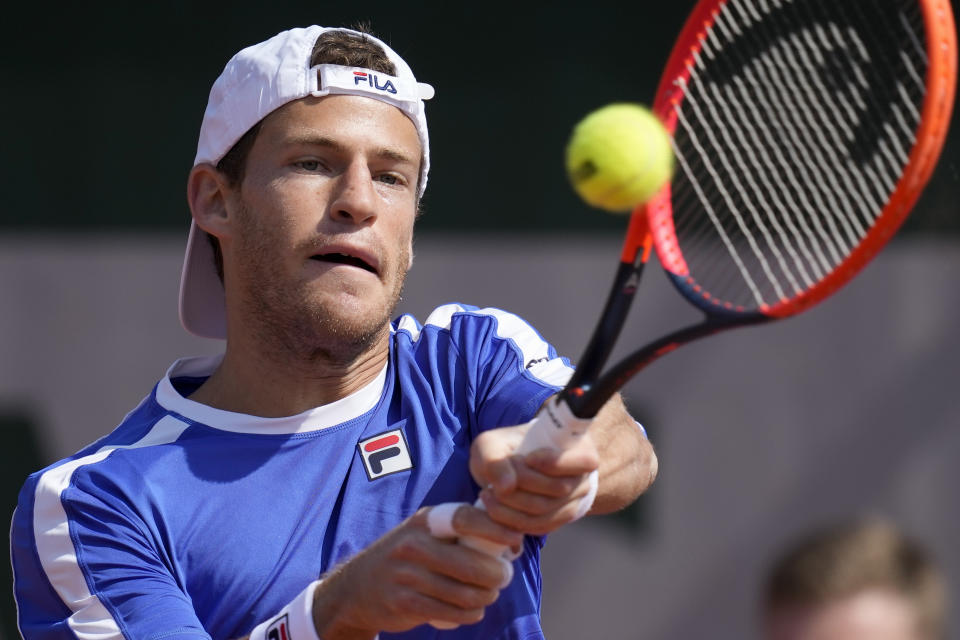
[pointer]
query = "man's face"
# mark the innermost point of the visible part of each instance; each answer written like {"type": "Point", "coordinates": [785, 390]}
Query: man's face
{"type": "Point", "coordinates": [323, 223]}
{"type": "Point", "coordinates": [869, 615]}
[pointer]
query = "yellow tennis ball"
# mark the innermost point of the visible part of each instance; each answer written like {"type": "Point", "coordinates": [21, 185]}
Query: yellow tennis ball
{"type": "Point", "coordinates": [619, 156]}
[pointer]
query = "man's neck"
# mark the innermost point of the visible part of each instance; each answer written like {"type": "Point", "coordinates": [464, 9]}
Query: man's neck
{"type": "Point", "coordinates": [268, 384]}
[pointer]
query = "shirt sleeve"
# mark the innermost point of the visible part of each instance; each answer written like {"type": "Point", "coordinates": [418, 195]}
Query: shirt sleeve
{"type": "Point", "coordinates": [85, 568]}
{"type": "Point", "coordinates": [514, 370]}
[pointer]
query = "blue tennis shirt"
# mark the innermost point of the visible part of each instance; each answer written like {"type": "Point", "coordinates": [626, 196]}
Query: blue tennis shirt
{"type": "Point", "coordinates": [191, 522]}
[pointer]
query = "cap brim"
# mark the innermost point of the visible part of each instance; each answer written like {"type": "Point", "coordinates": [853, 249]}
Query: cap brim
{"type": "Point", "coordinates": [202, 299]}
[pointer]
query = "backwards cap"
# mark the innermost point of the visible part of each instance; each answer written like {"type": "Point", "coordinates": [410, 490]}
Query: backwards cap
{"type": "Point", "coordinates": [255, 82]}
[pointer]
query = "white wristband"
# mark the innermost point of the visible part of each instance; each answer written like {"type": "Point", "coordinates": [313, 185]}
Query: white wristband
{"type": "Point", "coordinates": [587, 501]}
{"type": "Point", "coordinates": [293, 622]}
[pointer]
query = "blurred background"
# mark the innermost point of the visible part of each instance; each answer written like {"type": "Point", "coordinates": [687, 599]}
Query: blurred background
{"type": "Point", "coordinates": [762, 434]}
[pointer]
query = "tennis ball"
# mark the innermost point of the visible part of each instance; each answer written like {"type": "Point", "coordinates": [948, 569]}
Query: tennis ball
{"type": "Point", "coordinates": [619, 156]}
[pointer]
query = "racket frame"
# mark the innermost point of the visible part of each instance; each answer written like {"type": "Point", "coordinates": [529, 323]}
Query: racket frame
{"type": "Point", "coordinates": [651, 224]}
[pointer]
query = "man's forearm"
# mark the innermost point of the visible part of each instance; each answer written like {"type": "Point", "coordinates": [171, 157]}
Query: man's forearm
{"type": "Point", "coordinates": [628, 464]}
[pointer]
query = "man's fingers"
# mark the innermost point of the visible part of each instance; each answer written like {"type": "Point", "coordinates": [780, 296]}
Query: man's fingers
{"type": "Point", "coordinates": [470, 567]}
{"type": "Point", "coordinates": [572, 462]}
{"type": "Point", "coordinates": [409, 577]}
{"type": "Point", "coordinates": [490, 456]}
{"type": "Point", "coordinates": [459, 562]}
{"type": "Point", "coordinates": [470, 521]}
{"type": "Point", "coordinates": [450, 591]}
{"type": "Point", "coordinates": [563, 513]}
{"type": "Point", "coordinates": [530, 480]}
{"type": "Point", "coordinates": [502, 474]}
{"type": "Point", "coordinates": [413, 604]}
{"type": "Point", "coordinates": [534, 504]}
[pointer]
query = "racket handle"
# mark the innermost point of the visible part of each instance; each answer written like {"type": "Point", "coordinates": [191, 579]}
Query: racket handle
{"type": "Point", "coordinates": [554, 427]}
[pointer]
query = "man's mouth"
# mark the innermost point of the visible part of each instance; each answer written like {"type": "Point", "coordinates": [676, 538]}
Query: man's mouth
{"type": "Point", "coordinates": [342, 258]}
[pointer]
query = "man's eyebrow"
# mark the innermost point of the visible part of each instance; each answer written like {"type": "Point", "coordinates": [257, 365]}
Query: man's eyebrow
{"type": "Point", "coordinates": [319, 140]}
{"type": "Point", "coordinates": [389, 153]}
{"type": "Point", "coordinates": [314, 139]}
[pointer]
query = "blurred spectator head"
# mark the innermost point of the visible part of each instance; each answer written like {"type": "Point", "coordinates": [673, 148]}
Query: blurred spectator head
{"type": "Point", "coordinates": [857, 581]}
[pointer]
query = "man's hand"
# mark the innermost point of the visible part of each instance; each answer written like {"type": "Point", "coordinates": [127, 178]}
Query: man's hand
{"type": "Point", "coordinates": [536, 493]}
{"type": "Point", "coordinates": [540, 492]}
{"type": "Point", "coordinates": [408, 578]}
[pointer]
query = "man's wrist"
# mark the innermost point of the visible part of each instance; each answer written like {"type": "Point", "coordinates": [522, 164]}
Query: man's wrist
{"type": "Point", "coordinates": [295, 621]}
{"type": "Point", "coordinates": [328, 610]}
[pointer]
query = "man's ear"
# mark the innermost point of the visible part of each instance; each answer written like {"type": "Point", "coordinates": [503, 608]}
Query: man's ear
{"type": "Point", "coordinates": [207, 194]}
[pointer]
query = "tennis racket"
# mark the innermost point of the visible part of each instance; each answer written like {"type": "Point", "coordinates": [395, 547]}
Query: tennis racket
{"type": "Point", "coordinates": [804, 132]}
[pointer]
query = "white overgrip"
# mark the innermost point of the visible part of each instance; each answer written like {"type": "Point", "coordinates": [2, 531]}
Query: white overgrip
{"type": "Point", "coordinates": [554, 427]}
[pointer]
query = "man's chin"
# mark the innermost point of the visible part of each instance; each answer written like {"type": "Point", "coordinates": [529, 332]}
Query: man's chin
{"type": "Point", "coordinates": [346, 328]}
{"type": "Point", "coordinates": [361, 307]}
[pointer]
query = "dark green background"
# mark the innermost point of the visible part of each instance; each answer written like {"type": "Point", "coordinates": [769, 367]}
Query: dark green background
{"type": "Point", "coordinates": [102, 104]}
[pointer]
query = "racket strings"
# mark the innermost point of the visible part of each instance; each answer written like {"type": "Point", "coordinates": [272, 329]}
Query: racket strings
{"type": "Point", "coordinates": [847, 226]}
{"type": "Point", "coordinates": [865, 184]}
{"type": "Point", "coordinates": [843, 229]}
{"type": "Point", "coordinates": [833, 227]}
{"type": "Point", "coordinates": [790, 138]}
{"type": "Point", "coordinates": [782, 73]}
{"type": "Point", "coordinates": [903, 97]}
{"type": "Point", "coordinates": [763, 201]}
{"type": "Point", "coordinates": [894, 155]}
{"type": "Point", "coordinates": [762, 165]}
{"type": "Point", "coordinates": [751, 76]}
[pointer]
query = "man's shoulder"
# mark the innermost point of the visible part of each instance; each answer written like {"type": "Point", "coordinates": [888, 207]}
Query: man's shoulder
{"type": "Point", "coordinates": [482, 336]}
{"type": "Point", "coordinates": [460, 317]}
{"type": "Point", "coordinates": [147, 423]}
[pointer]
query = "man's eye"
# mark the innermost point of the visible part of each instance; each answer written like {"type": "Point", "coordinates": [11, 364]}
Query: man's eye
{"type": "Point", "coordinates": [389, 178]}
{"type": "Point", "coordinates": [309, 165]}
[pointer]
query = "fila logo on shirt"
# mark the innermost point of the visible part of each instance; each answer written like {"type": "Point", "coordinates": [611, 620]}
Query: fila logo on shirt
{"type": "Point", "coordinates": [385, 453]}
{"type": "Point", "coordinates": [279, 630]}
{"type": "Point", "coordinates": [372, 80]}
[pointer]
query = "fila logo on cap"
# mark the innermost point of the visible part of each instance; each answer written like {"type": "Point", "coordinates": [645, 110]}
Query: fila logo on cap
{"type": "Point", "coordinates": [385, 453]}
{"type": "Point", "coordinates": [373, 81]}
{"type": "Point", "coordinates": [279, 630]}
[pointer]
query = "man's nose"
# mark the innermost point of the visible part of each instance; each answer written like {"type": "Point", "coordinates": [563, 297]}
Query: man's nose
{"type": "Point", "coordinates": [355, 199]}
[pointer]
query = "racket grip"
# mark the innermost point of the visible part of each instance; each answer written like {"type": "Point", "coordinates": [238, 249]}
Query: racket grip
{"type": "Point", "coordinates": [554, 427]}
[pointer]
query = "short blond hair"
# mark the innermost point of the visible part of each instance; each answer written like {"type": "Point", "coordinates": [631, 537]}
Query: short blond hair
{"type": "Point", "coordinates": [845, 560]}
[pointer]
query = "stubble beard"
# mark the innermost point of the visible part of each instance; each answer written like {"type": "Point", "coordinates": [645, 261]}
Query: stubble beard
{"type": "Point", "coordinates": [289, 322]}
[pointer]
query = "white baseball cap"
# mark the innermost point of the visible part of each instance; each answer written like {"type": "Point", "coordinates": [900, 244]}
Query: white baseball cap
{"type": "Point", "coordinates": [255, 82]}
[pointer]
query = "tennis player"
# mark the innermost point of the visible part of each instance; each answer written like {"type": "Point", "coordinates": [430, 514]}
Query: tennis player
{"type": "Point", "coordinates": [289, 488]}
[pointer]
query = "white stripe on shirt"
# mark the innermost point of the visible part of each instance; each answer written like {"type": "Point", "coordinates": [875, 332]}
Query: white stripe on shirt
{"type": "Point", "coordinates": [90, 619]}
